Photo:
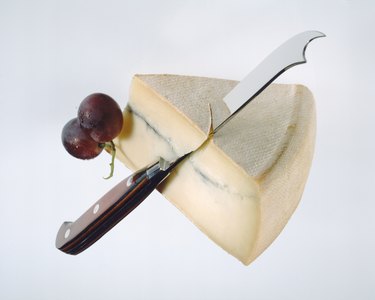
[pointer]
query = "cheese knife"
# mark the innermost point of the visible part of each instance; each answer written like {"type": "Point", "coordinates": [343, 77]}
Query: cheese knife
{"type": "Point", "coordinates": [104, 214]}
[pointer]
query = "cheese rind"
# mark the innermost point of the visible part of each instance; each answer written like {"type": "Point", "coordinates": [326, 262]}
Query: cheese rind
{"type": "Point", "coordinates": [241, 186]}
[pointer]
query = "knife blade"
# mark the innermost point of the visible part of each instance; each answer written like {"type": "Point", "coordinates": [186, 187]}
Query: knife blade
{"type": "Point", "coordinates": [104, 214]}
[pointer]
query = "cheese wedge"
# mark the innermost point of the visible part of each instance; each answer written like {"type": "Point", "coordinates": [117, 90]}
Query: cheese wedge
{"type": "Point", "coordinates": [239, 187]}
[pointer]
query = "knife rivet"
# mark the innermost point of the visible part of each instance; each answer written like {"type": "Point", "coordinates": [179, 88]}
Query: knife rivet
{"type": "Point", "coordinates": [96, 209]}
{"type": "Point", "coordinates": [67, 233]}
{"type": "Point", "coordinates": [129, 181]}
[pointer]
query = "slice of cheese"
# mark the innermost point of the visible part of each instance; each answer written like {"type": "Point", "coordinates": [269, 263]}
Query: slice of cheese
{"type": "Point", "coordinates": [241, 186]}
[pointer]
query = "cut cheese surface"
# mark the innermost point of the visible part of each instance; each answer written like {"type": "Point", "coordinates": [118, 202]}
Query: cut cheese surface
{"type": "Point", "coordinates": [239, 187]}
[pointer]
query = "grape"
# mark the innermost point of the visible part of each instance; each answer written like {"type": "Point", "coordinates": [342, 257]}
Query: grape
{"type": "Point", "coordinates": [78, 142]}
{"type": "Point", "coordinates": [99, 121]}
{"type": "Point", "coordinates": [102, 116]}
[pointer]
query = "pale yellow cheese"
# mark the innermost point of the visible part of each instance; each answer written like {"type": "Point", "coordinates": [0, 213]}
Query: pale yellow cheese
{"type": "Point", "coordinates": [241, 186]}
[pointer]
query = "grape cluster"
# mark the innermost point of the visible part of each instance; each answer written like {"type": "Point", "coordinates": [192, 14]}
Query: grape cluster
{"type": "Point", "coordinates": [98, 122]}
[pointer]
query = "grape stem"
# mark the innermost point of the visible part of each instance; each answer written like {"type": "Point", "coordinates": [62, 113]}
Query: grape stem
{"type": "Point", "coordinates": [111, 148]}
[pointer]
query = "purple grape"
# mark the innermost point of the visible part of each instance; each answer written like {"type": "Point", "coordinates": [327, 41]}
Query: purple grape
{"type": "Point", "coordinates": [101, 116]}
{"type": "Point", "coordinates": [78, 142]}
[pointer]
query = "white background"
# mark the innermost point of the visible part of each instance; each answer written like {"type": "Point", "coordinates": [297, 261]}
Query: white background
{"type": "Point", "coordinates": [54, 53]}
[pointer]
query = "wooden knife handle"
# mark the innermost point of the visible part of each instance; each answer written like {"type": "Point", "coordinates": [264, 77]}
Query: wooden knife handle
{"type": "Point", "coordinates": [75, 237]}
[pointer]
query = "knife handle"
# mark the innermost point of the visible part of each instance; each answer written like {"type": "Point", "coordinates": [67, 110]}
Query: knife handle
{"type": "Point", "coordinates": [75, 237]}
